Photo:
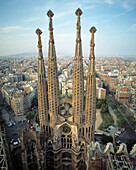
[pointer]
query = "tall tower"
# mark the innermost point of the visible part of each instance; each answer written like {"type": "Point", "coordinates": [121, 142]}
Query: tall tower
{"type": "Point", "coordinates": [42, 86]}
{"type": "Point", "coordinates": [90, 104]}
{"type": "Point", "coordinates": [53, 84]}
{"type": "Point", "coordinates": [78, 81]}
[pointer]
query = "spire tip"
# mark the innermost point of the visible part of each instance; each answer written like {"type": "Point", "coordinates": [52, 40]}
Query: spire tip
{"type": "Point", "coordinates": [50, 13]}
{"type": "Point", "coordinates": [78, 12]}
{"type": "Point", "coordinates": [93, 30]}
{"type": "Point", "coordinates": [38, 31]}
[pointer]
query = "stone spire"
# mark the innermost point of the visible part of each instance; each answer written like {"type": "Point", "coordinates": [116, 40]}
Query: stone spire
{"type": "Point", "coordinates": [78, 49]}
{"type": "Point", "coordinates": [42, 86]}
{"type": "Point", "coordinates": [78, 81]}
{"type": "Point", "coordinates": [90, 104]}
{"type": "Point", "coordinates": [53, 84]}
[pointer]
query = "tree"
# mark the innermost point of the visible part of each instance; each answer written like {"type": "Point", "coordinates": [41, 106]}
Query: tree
{"type": "Point", "coordinates": [99, 103]}
{"type": "Point", "coordinates": [30, 115]}
{"type": "Point", "coordinates": [121, 122]}
{"type": "Point", "coordinates": [104, 108]}
{"type": "Point", "coordinates": [116, 102]}
{"type": "Point", "coordinates": [122, 109]}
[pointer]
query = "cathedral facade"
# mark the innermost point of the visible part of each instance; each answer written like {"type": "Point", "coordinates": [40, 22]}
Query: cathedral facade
{"type": "Point", "coordinates": [63, 138]}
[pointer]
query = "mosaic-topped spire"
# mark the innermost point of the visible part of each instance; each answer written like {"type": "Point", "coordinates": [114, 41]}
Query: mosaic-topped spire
{"type": "Point", "coordinates": [78, 78]}
{"type": "Point", "coordinates": [92, 44]}
{"type": "Point", "coordinates": [50, 15]}
{"type": "Point", "coordinates": [53, 83]}
{"type": "Point", "coordinates": [39, 32]}
{"type": "Point", "coordinates": [90, 104]}
{"type": "Point", "coordinates": [78, 13]}
{"type": "Point", "coordinates": [42, 86]}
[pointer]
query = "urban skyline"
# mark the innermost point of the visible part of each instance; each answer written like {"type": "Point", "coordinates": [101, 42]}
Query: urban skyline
{"type": "Point", "coordinates": [115, 22]}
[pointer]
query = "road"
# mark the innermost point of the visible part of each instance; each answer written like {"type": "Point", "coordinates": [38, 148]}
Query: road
{"type": "Point", "coordinates": [128, 134]}
{"type": "Point", "coordinates": [14, 131]}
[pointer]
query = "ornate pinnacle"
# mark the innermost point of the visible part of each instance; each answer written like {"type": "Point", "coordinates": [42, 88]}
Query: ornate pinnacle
{"type": "Point", "coordinates": [78, 13]}
{"type": "Point", "coordinates": [93, 30]}
{"type": "Point", "coordinates": [39, 32]}
{"type": "Point", "coordinates": [50, 15]}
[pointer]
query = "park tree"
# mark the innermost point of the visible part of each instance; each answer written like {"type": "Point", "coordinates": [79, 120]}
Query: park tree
{"type": "Point", "coordinates": [30, 115]}
{"type": "Point", "coordinates": [104, 108]}
{"type": "Point", "coordinates": [99, 103]}
{"type": "Point", "coordinates": [121, 122]}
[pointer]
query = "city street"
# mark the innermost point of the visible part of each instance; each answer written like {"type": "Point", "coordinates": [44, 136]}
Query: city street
{"type": "Point", "coordinates": [128, 134]}
{"type": "Point", "coordinates": [14, 130]}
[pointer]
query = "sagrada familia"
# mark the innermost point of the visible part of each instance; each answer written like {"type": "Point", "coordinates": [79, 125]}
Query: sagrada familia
{"type": "Point", "coordinates": [66, 141]}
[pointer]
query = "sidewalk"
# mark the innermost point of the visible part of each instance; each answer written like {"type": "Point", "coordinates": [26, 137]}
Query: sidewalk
{"type": "Point", "coordinates": [99, 120]}
{"type": "Point", "coordinates": [113, 114]}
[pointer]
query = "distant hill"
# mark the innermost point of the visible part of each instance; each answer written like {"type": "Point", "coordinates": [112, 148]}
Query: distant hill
{"type": "Point", "coordinates": [20, 55]}
{"type": "Point", "coordinates": [26, 54]}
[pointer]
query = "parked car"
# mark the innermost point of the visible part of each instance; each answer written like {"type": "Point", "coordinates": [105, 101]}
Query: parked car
{"type": "Point", "coordinates": [116, 135]}
{"type": "Point", "coordinates": [119, 132]}
{"type": "Point", "coordinates": [15, 142]}
{"type": "Point", "coordinates": [122, 130]}
{"type": "Point", "coordinates": [12, 140]}
{"type": "Point", "coordinates": [10, 124]}
{"type": "Point", "coordinates": [31, 127]}
{"type": "Point", "coordinates": [18, 140]}
{"type": "Point", "coordinates": [118, 142]}
{"type": "Point", "coordinates": [30, 124]}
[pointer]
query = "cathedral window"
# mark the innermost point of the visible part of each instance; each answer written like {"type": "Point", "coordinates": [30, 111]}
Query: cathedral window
{"type": "Point", "coordinates": [66, 141]}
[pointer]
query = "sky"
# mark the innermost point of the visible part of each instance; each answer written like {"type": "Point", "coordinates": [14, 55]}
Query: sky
{"type": "Point", "coordinates": [115, 21]}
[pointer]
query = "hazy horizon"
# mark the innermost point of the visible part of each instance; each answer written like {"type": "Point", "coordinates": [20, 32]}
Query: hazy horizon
{"type": "Point", "coordinates": [28, 54]}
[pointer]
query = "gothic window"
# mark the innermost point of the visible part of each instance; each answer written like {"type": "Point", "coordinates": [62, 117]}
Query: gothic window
{"type": "Point", "coordinates": [66, 141]}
